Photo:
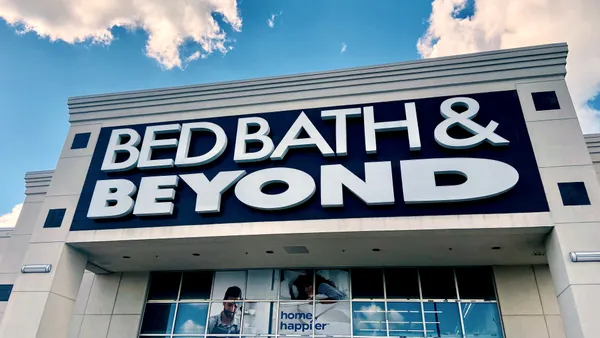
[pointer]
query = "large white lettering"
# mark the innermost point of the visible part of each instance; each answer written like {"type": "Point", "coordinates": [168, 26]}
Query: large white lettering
{"type": "Point", "coordinates": [291, 140]}
{"type": "Point", "coordinates": [376, 189]}
{"type": "Point", "coordinates": [261, 136]}
{"type": "Point", "coordinates": [463, 120]}
{"type": "Point", "coordinates": [156, 195]}
{"type": "Point", "coordinates": [340, 115]}
{"type": "Point", "coordinates": [115, 147]}
{"type": "Point", "coordinates": [485, 178]}
{"type": "Point", "coordinates": [112, 199]}
{"type": "Point", "coordinates": [410, 124]}
{"type": "Point", "coordinates": [150, 142]}
{"type": "Point", "coordinates": [209, 192]}
{"type": "Point", "coordinates": [301, 187]}
{"type": "Point", "coordinates": [182, 159]}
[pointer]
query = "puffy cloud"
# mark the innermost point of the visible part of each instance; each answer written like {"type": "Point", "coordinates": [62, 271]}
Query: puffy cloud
{"type": "Point", "coordinates": [271, 20]}
{"type": "Point", "coordinates": [190, 327]}
{"type": "Point", "coordinates": [168, 23]}
{"type": "Point", "coordinates": [344, 47]}
{"type": "Point", "coordinates": [518, 23]}
{"type": "Point", "coordinates": [10, 219]}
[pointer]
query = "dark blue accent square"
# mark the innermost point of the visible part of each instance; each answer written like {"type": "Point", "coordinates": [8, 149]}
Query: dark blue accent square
{"type": "Point", "coordinates": [573, 193]}
{"type": "Point", "coordinates": [545, 101]}
{"type": "Point", "coordinates": [5, 290]}
{"type": "Point", "coordinates": [54, 218]}
{"type": "Point", "coordinates": [80, 141]}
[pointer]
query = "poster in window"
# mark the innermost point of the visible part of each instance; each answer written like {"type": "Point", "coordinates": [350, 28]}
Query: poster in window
{"type": "Point", "coordinates": [225, 319]}
{"type": "Point", "coordinates": [332, 318]}
{"type": "Point", "coordinates": [332, 285]}
{"type": "Point", "coordinates": [262, 284]}
{"type": "Point", "coordinates": [227, 306]}
{"type": "Point", "coordinates": [228, 281]}
{"type": "Point", "coordinates": [296, 318]}
{"type": "Point", "coordinates": [259, 318]}
{"type": "Point", "coordinates": [296, 284]}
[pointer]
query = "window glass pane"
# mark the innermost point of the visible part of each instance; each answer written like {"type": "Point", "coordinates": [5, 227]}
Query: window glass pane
{"type": "Point", "coordinates": [262, 284]}
{"type": "Point", "coordinates": [296, 284]}
{"type": "Point", "coordinates": [196, 285]}
{"type": "Point", "coordinates": [332, 318]}
{"type": "Point", "coordinates": [158, 318]}
{"type": "Point", "coordinates": [442, 319]}
{"type": "Point", "coordinates": [191, 318]}
{"type": "Point", "coordinates": [225, 318]}
{"type": "Point", "coordinates": [368, 318]}
{"type": "Point", "coordinates": [481, 320]}
{"type": "Point", "coordinates": [259, 318]}
{"type": "Point", "coordinates": [405, 319]}
{"type": "Point", "coordinates": [402, 283]}
{"type": "Point", "coordinates": [475, 283]}
{"type": "Point", "coordinates": [332, 284]}
{"type": "Point", "coordinates": [438, 283]}
{"type": "Point", "coordinates": [229, 285]}
{"type": "Point", "coordinates": [295, 318]}
{"type": "Point", "coordinates": [367, 283]}
{"type": "Point", "coordinates": [164, 285]}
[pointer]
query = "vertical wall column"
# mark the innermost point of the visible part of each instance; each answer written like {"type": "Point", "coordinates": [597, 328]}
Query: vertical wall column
{"type": "Point", "coordinates": [36, 186]}
{"type": "Point", "coordinates": [573, 194]}
{"type": "Point", "coordinates": [109, 305]}
{"type": "Point", "coordinates": [527, 302]}
{"type": "Point", "coordinates": [42, 304]}
{"type": "Point", "coordinates": [576, 284]}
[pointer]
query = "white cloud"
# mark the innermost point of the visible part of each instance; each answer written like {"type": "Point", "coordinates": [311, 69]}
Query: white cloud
{"type": "Point", "coordinates": [344, 46]}
{"type": "Point", "coordinates": [195, 56]}
{"type": "Point", "coordinates": [190, 327]}
{"type": "Point", "coordinates": [10, 219]}
{"type": "Point", "coordinates": [271, 21]}
{"type": "Point", "coordinates": [168, 23]}
{"type": "Point", "coordinates": [518, 23]}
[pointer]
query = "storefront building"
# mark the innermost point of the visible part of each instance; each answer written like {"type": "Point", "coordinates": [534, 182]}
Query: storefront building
{"type": "Point", "coordinates": [450, 197]}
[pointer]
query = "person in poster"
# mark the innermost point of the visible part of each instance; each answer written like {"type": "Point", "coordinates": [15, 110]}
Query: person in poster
{"type": "Point", "coordinates": [227, 322]}
{"type": "Point", "coordinates": [325, 287]}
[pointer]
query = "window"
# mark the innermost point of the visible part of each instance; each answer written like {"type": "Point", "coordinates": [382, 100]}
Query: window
{"type": "Point", "coordinates": [442, 319]}
{"type": "Point", "coordinates": [367, 283]}
{"type": "Point", "coordinates": [80, 141]}
{"type": "Point", "coordinates": [438, 283]}
{"type": "Point", "coordinates": [402, 283]}
{"type": "Point", "coordinates": [158, 318]}
{"type": "Point", "coordinates": [545, 101]}
{"type": "Point", "coordinates": [405, 319]}
{"type": "Point", "coordinates": [54, 218]}
{"type": "Point", "coordinates": [573, 193]}
{"type": "Point", "coordinates": [5, 290]}
{"type": "Point", "coordinates": [164, 285]}
{"type": "Point", "coordinates": [369, 319]}
{"type": "Point", "coordinates": [341, 303]}
{"type": "Point", "coordinates": [196, 285]}
{"type": "Point", "coordinates": [476, 283]}
{"type": "Point", "coordinates": [481, 320]}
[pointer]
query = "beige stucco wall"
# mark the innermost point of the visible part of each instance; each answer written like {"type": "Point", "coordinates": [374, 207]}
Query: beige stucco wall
{"type": "Point", "coordinates": [528, 304]}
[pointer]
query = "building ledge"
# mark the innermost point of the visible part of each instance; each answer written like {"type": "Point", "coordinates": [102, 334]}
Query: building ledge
{"type": "Point", "coordinates": [521, 64]}
{"type": "Point", "coordinates": [37, 182]}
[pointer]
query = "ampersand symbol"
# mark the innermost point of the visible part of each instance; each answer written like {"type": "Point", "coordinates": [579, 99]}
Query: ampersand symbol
{"type": "Point", "coordinates": [464, 120]}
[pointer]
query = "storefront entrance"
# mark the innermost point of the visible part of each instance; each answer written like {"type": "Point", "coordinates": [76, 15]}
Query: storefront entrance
{"type": "Point", "coordinates": [358, 302]}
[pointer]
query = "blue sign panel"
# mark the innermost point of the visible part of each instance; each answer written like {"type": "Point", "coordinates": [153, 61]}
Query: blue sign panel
{"type": "Point", "coordinates": [467, 154]}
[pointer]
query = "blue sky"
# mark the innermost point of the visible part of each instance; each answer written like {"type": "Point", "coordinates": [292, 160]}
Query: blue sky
{"type": "Point", "coordinates": [37, 75]}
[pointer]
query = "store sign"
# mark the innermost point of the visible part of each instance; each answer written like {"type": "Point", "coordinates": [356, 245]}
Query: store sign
{"type": "Point", "coordinates": [467, 154]}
